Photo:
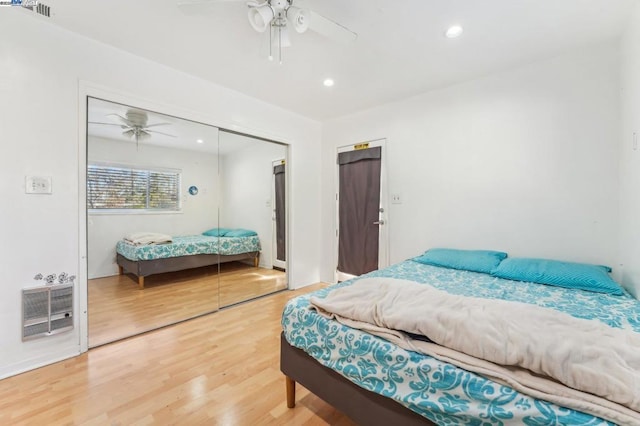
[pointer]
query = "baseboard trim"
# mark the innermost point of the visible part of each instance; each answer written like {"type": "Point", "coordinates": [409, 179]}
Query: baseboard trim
{"type": "Point", "coordinates": [38, 362]}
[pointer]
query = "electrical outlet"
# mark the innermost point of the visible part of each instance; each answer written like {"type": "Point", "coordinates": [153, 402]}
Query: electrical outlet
{"type": "Point", "coordinates": [38, 185]}
{"type": "Point", "coordinates": [396, 199]}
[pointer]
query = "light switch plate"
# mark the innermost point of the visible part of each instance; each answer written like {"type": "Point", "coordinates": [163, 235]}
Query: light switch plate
{"type": "Point", "coordinates": [38, 185]}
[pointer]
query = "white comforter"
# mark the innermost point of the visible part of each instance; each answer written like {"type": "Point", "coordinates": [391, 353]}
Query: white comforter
{"type": "Point", "coordinates": [580, 364]}
{"type": "Point", "coordinates": [147, 238]}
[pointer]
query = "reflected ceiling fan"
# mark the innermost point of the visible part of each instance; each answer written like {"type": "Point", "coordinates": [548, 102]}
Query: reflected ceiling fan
{"type": "Point", "coordinates": [134, 125]}
{"type": "Point", "coordinates": [279, 16]}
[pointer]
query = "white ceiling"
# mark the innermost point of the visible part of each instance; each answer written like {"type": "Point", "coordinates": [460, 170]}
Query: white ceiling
{"type": "Point", "coordinates": [400, 51]}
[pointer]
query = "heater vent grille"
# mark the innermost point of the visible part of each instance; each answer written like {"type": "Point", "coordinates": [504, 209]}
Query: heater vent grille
{"type": "Point", "coordinates": [46, 310]}
{"type": "Point", "coordinates": [35, 330]}
{"type": "Point", "coordinates": [61, 300]}
{"type": "Point", "coordinates": [36, 305]}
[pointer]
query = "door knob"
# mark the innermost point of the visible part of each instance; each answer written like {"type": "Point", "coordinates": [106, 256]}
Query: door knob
{"type": "Point", "coordinates": [380, 222]}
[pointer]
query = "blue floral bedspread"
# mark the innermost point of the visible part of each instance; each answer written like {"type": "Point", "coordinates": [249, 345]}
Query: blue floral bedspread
{"type": "Point", "coordinates": [189, 245]}
{"type": "Point", "coordinates": [443, 393]}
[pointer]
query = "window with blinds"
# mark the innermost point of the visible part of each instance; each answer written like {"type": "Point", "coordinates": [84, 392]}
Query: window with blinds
{"type": "Point", "coordinates": [125, 188]}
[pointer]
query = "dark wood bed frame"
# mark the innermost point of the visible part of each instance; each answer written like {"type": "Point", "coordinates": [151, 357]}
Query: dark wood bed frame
{"type": "Point", "coordinates": [362, 406]}
{"type": "Point", "coordinates": [144, 268]}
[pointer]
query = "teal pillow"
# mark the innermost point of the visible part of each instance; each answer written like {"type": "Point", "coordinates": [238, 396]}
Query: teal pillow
{"type": "Point", "coordinates": [216, 232]}
{"type": "Point", "coordinates": [240, 233]}
{"type": "Point", "coordinates": [470, 260]}
{"type": "Point", "coordinates": [562, 274]}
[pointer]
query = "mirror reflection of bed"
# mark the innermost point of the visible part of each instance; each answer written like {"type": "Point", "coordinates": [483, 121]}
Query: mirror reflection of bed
{"type": "Point", "coordinates": [153, 177]}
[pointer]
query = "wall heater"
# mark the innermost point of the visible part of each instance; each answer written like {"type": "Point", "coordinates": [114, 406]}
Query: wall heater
{"type": "Point", "coordinates": [46, 310]}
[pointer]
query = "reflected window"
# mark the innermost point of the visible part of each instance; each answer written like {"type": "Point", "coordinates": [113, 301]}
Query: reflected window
{"type": "Point", "coordinates": [125, 188]}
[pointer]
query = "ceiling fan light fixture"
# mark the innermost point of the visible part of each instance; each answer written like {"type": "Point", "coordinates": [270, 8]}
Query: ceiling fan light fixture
{"type": "Point", "coordinates": [260, 17]}
{"type": "Point", "coordinates": [279, 15]}
{"type": "Point", "coordinates": [299, 18]}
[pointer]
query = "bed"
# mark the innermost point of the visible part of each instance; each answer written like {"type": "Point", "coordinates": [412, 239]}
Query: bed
{"type": "Point", "coordinates": [184, 252]}
{"type": "Point", "coordinates": [376, 382]}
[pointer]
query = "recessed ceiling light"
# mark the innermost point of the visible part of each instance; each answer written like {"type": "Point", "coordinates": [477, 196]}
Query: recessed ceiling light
{"type": "Point", "coordinates": [328, 82]}
{"type": "Point", "coordinates": [200, 141]}
{"type": "Point", "coordinates": [454, 31]}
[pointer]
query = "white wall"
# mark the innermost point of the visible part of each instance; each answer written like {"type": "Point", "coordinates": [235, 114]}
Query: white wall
{"type": "Point", "coordinates": [43, 70]}
{"type": "Point", "coordinates": [630, 157]}
{"type": "Point", "coordinates": [246, 178]}
{"type": "Point", "coordinates": [523, 161]}
{"type": "Point", "coordinates": [198, 213]}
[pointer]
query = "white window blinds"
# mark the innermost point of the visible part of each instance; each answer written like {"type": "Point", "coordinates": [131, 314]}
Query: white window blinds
{"type": "Point", "coordinates": [126, 188]}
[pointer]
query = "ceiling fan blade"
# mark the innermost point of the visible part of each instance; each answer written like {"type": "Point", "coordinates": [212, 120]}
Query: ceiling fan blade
{"type": "Point", "coordinates": [143, 134]}
{"type": "Point", "coordinates": [124, 120]}
{"type": "Point", "coordinates": [157, 124]}
{"type": "Point", "coordinates": [106, 124]}
{"type": "Point", "coordinates": [331, 29]}
{"type": "Point", "coordinates": [159, 133]}
{"type": "Point", "coordinates": [201, 7]}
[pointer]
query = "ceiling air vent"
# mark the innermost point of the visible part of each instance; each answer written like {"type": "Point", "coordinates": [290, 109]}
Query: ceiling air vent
{"type": "Point", "coordinates": [43, 9]}
{"type": "Point", "coordinates": [39, 8]}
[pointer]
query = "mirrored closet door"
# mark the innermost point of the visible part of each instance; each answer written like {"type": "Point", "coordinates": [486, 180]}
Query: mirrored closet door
{"type": "Point", "coordinates": [152, 191]}
{"type": "Point", "coordinates": [182, 219]}
{"type": "Point", "coordinates": [252, 179]}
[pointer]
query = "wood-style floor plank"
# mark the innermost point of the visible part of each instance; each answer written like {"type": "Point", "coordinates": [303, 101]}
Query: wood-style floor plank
{"type": "Point", "coordinates": [219, 369]}
{"type": "Point", "coordinates": [118, 308]}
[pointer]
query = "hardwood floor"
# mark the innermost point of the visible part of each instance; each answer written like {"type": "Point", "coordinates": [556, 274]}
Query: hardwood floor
{"type": "Point", "coordinates": [219, 369]}
{"type": "Point", "coordinates": [239, 283]}
{"type": "Point", "coordinates": [118, 308]}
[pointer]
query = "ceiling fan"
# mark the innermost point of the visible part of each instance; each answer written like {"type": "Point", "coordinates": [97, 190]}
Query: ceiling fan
{"type": "Point", "coordinates": [134, 124]}
{"type": "Point", "coordinates": [278, 15]}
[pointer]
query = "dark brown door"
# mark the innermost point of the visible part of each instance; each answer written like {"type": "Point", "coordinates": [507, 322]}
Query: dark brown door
{"type": "Point", "coordinates": [279, 209]}
{"type": "Point", "coordinates": [359, 210]}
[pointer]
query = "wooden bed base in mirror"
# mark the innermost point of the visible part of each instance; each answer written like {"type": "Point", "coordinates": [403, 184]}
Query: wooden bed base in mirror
{"type": "Point", "coordinates": [144, 268]}
{"type": "Point", "coordinates": [362, 406]}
